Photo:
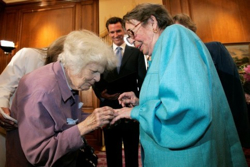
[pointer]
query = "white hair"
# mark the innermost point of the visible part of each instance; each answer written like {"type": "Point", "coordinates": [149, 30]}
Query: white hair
{"type": "Point", "coordinates": [82, 47]}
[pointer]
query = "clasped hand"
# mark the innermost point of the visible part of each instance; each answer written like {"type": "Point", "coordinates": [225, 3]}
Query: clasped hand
{"type": "Point", "coordinates": [128, 100]}
{"type": "Point", "coordinates": [104, 116]}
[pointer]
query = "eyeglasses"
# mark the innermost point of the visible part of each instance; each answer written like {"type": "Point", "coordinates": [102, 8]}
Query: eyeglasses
{"type": "Point", "coordinates": [131, 34]}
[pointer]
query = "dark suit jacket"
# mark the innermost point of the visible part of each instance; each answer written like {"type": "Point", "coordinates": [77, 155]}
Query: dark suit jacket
{"type": "Point", "coordinates": [230, 80]}
{"type": "Point", "coordinates": [130, 77]}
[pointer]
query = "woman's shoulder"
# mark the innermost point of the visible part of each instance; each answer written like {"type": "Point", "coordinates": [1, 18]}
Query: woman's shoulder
{"type": "Point", "coordinates": [30, 53]}
{"type": "Point", "coordinates": [176, 28]}
{"type": "Point", "coordinates": [177, 32]}
{"type": "Point", "coordinates": [172, 33]}
{"type": "Point", "coordinates": [27, 50]}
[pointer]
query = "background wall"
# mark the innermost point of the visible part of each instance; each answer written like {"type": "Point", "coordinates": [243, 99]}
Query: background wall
{"type": "Point", "coordinates": [37, 24]}
{"type": "Point", "coordinates": [227, 21]}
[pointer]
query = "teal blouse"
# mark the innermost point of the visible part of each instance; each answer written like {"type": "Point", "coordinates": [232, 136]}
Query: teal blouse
{"type": "Point", "coordinates": [184, 116]}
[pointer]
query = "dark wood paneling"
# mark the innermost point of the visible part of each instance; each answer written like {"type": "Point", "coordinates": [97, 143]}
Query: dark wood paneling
{"type": "Point", "coordinates": [2, 6]}
{"type": "Point", "coordinates": [244, 14]}
{"type": "Point", "coordinates": [220, 22]}
{"type": "Point", "coordinates": [199, 15]}
{"type": "Point", "coordinates": [38, 24]}
{"type": "Point", "coordinates": [45, 25]}
{"type": "Point", "coordinates": [177, 6]}
{"type": "Point", "coordinates": [8, 22]}
{"type": "Point", "coordinates": [90, 9]}
{"type": "Point", "coordinates": [226, 21]}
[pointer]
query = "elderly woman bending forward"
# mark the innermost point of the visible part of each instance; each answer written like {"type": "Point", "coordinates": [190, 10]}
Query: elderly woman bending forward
{"type": "Point", "coordinates": [51, 125]}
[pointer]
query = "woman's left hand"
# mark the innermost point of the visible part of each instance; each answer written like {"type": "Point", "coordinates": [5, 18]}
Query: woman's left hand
{"type": "Point", "coordinates": [97, 119]}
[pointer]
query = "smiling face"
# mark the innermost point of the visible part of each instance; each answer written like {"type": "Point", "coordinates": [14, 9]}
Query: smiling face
{"type": "Point", "coordinates": [90, 74]}
{"type": "Point", "coordinates": [116, 33]}
{"type": "Point", "coordinates": [144, 36]}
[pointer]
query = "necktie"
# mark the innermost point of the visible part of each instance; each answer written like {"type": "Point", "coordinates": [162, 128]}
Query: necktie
{"type": "Point", "coordinates": [119, 56]}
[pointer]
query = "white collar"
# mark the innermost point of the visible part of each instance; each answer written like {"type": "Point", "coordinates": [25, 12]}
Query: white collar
{"type": "Point", "coordinates": [122, 46]}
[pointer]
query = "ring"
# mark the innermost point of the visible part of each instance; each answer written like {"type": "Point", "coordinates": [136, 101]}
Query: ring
{"type": "Point", "coordinates": [2, 123]}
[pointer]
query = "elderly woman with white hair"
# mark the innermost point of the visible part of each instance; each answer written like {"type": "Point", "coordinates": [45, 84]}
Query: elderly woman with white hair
{"type": "Point", "coordinates": [51, 125]}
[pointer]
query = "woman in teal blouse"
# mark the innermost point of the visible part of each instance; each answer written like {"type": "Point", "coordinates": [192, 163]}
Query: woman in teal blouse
{"type": "Point", "coordinates": [184, 116]}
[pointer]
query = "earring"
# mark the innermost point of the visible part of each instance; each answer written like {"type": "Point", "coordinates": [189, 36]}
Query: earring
{"type": "Point", "coordinates": [155, 30]}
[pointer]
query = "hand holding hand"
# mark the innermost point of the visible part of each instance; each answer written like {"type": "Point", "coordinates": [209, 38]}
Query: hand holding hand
{"type": "Point", "coordinates": [98, 118]}
{"type": "Point", "coordinates": [128, 99]}
{"type": "Point", "coordinates": [107, 96]}
{"type": "Point", "coordinates": [121, 113]}
{"type": "Point", "coordinates": [6, 123]}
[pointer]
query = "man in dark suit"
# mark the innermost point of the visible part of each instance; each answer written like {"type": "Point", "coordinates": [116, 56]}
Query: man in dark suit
{"type": "Point", "coordinates": [128, 76]}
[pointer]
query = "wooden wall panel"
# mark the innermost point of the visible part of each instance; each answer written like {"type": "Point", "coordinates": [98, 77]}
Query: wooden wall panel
{"type": "Point", "coordinates": [177, 6]}
{"type": "Point", "coordinates": [44, 29]}
{"type": "Point", "coordinates": [244, 11]}
{"type": "Point", "coordinates": [37, 24]}
{"type": "Point", "coordinates": [219, 21]}
{"type": "Point", "coordinates": [90, 9]}
{"type": "Point", "coordinates": [226, 21]}
{"type": "Point", "coordinates": [10, 21]}
{"type": "Point", "coordinates": [198, 13]}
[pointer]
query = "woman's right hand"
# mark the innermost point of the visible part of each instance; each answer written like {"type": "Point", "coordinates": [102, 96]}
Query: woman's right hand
{"type": "Point", "coordinates": [7, 124]}
{"type": "Point", "coordinates": [128, 99]}
{"type": "Point", "coordinates": [97, 119]}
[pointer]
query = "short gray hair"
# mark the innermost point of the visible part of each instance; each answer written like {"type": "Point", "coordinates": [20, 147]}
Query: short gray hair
{"type": "Point", "coordinates": [143, 12]}
{"type": "Point", "coordinates": [82, 47]}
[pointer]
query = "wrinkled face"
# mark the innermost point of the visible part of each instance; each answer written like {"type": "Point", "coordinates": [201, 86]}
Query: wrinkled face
{"type": "Point", "coordinates": [90, 74]}
{"type": "Point", "coordinates": [116, 33]}
{"type": "Point", "coordinates": [144, 38]}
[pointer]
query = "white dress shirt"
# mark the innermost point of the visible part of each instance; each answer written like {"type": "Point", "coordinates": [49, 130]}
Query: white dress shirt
{"type": "Point", "coordinates": [122, 46]}
{"type": "Point", "coordinates": [23, 62]}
